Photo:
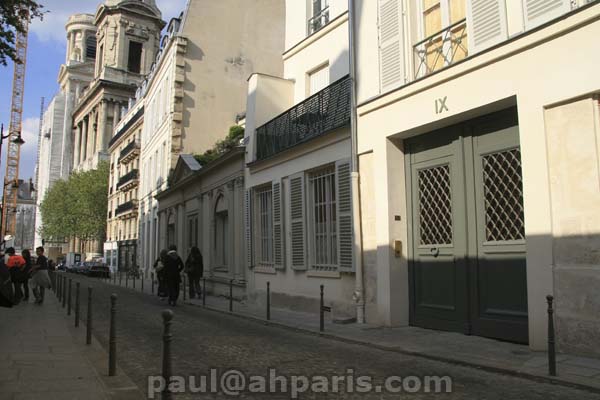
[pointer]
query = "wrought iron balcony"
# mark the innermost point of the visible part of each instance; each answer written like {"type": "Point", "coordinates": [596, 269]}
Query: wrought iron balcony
{"type": "Point", "coordinates": [127, 208]}
{"type": "Point", "coordinates": [319, 114]}
{"type": "Point", "coordinates": [128, 181]}
{"type": "Point", "coordinates": [441, 49]}
{"type": "Point", "coordinates": [129, 152]}
{"type": "Point", "coordinates": [318, 21]}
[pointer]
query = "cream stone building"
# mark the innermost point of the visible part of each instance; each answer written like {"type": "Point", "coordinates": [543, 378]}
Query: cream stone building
{"type": "Point", "coordinates": [120, 248]}
{"type": "Point", "coordinates": [195, 91]}
{"type": "Point", "coordinates": [128, 39]}
{"type": "Point", "coordinates": [298, 200]}
{"type": "Point", "coordinates": [55, 152]}
{"type": "Point", "coordinates": [478, 144]}
{"type": "Point", "coordinates": [203, 207]}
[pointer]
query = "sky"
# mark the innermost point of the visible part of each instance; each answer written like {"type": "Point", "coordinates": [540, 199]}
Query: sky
{"type": "Point", "coordinates": [45, 53]}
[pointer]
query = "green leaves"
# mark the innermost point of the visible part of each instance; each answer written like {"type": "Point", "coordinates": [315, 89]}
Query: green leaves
{"type": "Point", "coordinates": [77, 207]}
{"type": "Point", "coordinates": [13, 14]}
{"type": "Point", "coordinates": [236, 133]}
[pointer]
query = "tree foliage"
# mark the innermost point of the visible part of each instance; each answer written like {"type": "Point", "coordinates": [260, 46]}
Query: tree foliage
{"type": "Point", "coordinates": [77, 208]}
{"type": "Point", "coordinates": [13, 15]}
{"type": "Point", "coordinates": [236, 133]}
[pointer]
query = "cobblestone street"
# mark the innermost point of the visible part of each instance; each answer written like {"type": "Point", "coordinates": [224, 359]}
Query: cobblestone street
{"type": "Point", "coordinates": [204, 339]}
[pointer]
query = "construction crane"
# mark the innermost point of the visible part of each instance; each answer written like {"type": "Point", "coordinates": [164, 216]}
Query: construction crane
{"type": "Point", "coordinates": [11, 177]}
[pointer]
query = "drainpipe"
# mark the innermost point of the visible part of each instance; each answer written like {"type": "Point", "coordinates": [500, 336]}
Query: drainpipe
{"type": "Point", "coordinates": [358, 296]}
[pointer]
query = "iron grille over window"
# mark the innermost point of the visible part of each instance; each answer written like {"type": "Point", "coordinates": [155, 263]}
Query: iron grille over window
{"type": "Point", "coordinates": [128, 150]}
{"type": "Point", "coordinates": [264, 201]}
{"type": "Point", "coordinates": [323, 112]}
{"type": "Point", "coordinates": [128, 177]}
{"type": "Point", "coordinates": [320, 15]}
{"type": "Point", "coordinates": [324, 219]}
{"type": "Point", "coordinates": [435, 206]}
{"type": "Point", "coordinates": [127, 206]}
{"type": "Point", "coordinates": [503, 191]}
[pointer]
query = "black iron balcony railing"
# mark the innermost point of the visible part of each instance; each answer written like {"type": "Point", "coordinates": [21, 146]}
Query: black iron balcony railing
{"type": "Point", "coordinates": [321, 113]}
{"type": "Point", "coordinates": [318, 21]}
{"type": "Point", "coordinates": [441, 49]}
{"type": "Point", "coordinates": [128, 178]}
{"type": "Point", "coordinates": [126, 207]}
{"type": "Point", "coordinates": [129, 151]}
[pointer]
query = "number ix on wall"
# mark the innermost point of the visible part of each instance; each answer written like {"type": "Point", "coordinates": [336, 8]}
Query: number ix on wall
{"type": "Point", "coordinates": [440, 105]}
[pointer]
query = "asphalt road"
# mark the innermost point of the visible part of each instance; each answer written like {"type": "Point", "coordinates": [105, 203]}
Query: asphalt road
{"type": "Point", "coordinates": [205, 340]}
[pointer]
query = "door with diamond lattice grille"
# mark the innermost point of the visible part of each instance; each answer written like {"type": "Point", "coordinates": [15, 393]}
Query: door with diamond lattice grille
{"type": "Point", "coordinates": [467, 231]}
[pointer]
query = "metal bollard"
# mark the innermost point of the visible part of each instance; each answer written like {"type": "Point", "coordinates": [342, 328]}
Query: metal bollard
{"type": "Point", "coordinates": [322, 311]}
{"type": "Point", "coordinates": [58, 287]}
{"type": "Point", "coordinates": [167, 316]}
{"type": "Point", "coordinates": [112, 341]}
{"type": "Point", "coordinates": [77, 304]}
{"type": "Point", "coordinates": [551, 342]}
{"type": "Point", "coordinates": [231, 295]}
{"type": "Point", "coordinates": [204, 291]}
{"type": "Point", "coordinates": [134, 276]}
{"type": "Point", "coordinates": [184, 280]}
{"type": "Point", "coordinates": [69, 297]}
{"type": "Point", "coordinates": [88, 337]}
{"type": "Point", "coordinates": [268, 301]}
{"type": "Point", "coordinates": [142, 283]}
{"type": "Point", "coordinates": [115, 277]}
{"type": "Point", "coordinates": [126, 279]}
{"type": "Point", "coordinates": [64, 292]}
{"type": "Point", "coordinates": [152, 277]}
{"type": "Point", "coordinates": [120, 278]}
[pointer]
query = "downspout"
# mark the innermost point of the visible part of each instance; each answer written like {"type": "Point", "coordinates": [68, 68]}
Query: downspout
{"type": "Point", "coordinates": [358, 297]}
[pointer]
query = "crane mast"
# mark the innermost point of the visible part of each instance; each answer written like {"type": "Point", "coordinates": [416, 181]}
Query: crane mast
{"type": "Point", "coordinates": [11, 176]}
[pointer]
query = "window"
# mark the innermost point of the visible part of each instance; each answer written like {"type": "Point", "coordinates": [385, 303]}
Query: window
{"type": "Point", "coordinates": [318, 80]}
{"type": "Point", "coordinates": [134, 60]}
{"type": "Point", "coordinates": [90, 48]}
{"type": "Point", "coordinates": [100, 59]}
{"type": "Point", "coordinates": [444, 34]}
{"type": "Point", "coordinates": [192, 231]}
{"type": "Point", "coordinates": [264, 226]}
{"type": "Point", "coordinates": [323, 218]}
{"type": "Point", "coordinates": [320, 15]}
{"type": "Point", "coordinates": [221, 232]}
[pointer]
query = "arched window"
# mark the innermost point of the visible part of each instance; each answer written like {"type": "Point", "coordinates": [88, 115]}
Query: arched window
{"type": "Point", "coordinates": [90, 48]}
{"type": "Point", "coordinates": [221, 232]}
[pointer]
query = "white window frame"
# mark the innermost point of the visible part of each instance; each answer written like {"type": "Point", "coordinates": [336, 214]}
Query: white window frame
{"type": "Point", "coordinates": [321, 71]}
{"type": "Point", "coordinates": [322, 241]}
{"type": "Point", "coordinates": [324, 20]}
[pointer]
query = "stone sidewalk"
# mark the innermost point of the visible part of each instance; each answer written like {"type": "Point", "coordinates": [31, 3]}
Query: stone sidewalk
{"type": "Point", "coordinates": [456, 348]}
{"type": "Point", "coordinates": [42, 356]}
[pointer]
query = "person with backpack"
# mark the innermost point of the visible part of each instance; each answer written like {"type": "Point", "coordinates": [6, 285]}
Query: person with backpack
{"type": "Point", "coordinates": [173, 268]}
{"type": "Point", "coordinates": [15, 264]}
{"type": "Point", "coordinates": [159, 271]}
{"type": "Point", "coordinates": [194, 269]}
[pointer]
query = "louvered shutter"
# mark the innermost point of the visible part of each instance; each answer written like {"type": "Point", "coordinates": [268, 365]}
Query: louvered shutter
{"type": "Point", "coordinates": [486, 24]}
{"type": "Point", "coordinates": [248, 228]}
{"type": "Point", "coordinates": [391, 44]}
{"type": "Point", "coordinates": [297, 222]}
{"type": "Point", "coordinates": [539, 11]}
{"type": "Point", "coordinates": [278, 252]}
{"type": "Point", "coordinates": [344, 216]}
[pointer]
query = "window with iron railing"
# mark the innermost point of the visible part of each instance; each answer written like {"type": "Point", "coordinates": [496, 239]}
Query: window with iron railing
{"type": "Point", "coordinates": [323, 219]}
{"type": "Point", "coordinates": [444, 29]}
{"type": "Point", "coordinates": [320, 16]}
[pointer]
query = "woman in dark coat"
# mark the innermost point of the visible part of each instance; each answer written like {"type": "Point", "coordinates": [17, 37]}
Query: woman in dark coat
{"type": "Point", "coordinates": [26, 273]}
{"type": "Point", "coordinates": [159, 270]}
{"type": "Point", "coordinates": [194, 268]}
{"type": "Point", "coordinates": [173, 268]}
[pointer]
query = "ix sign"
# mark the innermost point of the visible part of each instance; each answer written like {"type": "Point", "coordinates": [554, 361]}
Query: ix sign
{"type": "Point", "coordinates": [440, 105]}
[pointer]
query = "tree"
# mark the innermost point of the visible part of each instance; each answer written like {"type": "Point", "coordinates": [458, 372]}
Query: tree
{"type": "Point", "coordinates": [13, 14]}
{"type": "Point", "coordinates": [236, 133]}
{"type": "Point", "coordinates": [77, 208]}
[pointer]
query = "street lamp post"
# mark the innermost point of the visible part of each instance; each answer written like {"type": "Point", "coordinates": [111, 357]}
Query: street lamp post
{"type": "Point", "coordinates": [19, 141]}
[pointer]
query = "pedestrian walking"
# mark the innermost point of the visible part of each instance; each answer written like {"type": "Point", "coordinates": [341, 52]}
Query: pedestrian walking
{"type": "Point", "coordinates": [159, 271]}
{"type": "Point", "coordinates": [25, 274]}
{"type": "Point", "coordinates": [40, 280]}
{"type": "Point", "coordinates": [173, 268]}
{"type": "Point", "coordinates": [15, 264]}
{"type": "Point", "coordinates": [194, 268]}
{"type": "Point", "coordinates": [6, 286]}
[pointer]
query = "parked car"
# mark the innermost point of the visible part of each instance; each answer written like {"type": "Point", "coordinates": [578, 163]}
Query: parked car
{"type": "Point", "coordinates": [98, 269]}
{"type": "Point", "coordinates": [81, 268]}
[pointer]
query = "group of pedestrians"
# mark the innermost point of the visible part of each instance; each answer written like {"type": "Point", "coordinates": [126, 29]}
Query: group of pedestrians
{"type": "Point", "coordinates": [19, 273]}
{"type": "Point", "coordinates": [168, 268]}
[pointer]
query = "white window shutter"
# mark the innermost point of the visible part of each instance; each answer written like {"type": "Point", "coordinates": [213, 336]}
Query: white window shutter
{"type": "Point", "coordinates": [486, 24]}
{"type": "Point", "coordinates": [537, 12]}
{"type": "Point", "coordinates": [391, 44]}
{"type": "Point", "coordinates": [278, 252]}
{"type": "Point", "coordinates": [248, 229]}
{"type": "Point", "coordinates": [344, 216]}
{"type": "Point", "coordinates": [297, 222]}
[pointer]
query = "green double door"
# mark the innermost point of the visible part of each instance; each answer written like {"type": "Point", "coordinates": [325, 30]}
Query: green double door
{"type": "Point", "coordinates": [467, 265]}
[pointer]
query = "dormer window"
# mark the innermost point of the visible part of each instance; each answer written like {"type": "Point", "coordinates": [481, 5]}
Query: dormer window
{"type": "Point", "coordinates": [90, 48]}
{"type": "Point", "coordinates": [320, 15]}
